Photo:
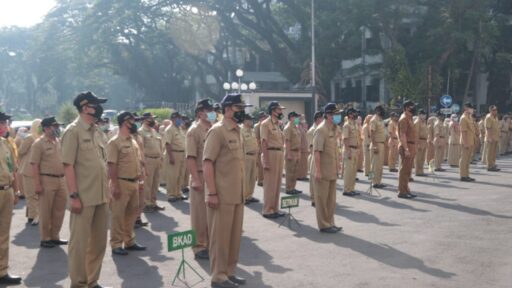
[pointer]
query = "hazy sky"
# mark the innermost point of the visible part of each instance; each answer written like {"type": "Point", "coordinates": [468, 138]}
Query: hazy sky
{"type": "Point", "coordinates": [23, 13]}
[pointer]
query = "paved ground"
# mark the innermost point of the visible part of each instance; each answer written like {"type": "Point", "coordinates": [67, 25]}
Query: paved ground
{"type": "Point", "coordinates": [453, 235]}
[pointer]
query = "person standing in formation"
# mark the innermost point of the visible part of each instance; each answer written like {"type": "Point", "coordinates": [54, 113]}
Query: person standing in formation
{"type": "Point", "coordinates": [421, 127]}
{"type": "Point", "coordinates": [393, 142]}
{"type": "Point", "coordinates": [325, 167]}
{"type": "Point", "coordinates": [430, 139]}
{"type": "Point", "coordinates": [454, 148]}
{"type": "Point", "coordinates": [467, 140]}
{"type": "Point", "coordinates": [175, 148]}
{"type": "Point", "coordinates": [196, 135]}
{"type": "Point", "coordinates": [439, 142]}
{"type": "Point", "coordinates": [407, 149]}
{"type": "Point", "coordinates": [350, 142]}
{"type": "Point", "coordinates": [251, 154]}
{"type": "Point", "coordinates": [304, 149]}
{"type": "Point", "coordinates": [292, 152]}
{"type": "Point", "coordinates": [504, 130]}
{"type": "Point", "coordinates": [492, 138]}
{"type": "Point", "coordinates": [223, 166]}
{"type": "Point", "coordinates": [377, 139]}
{"type": "Point", "coordinates": [272, 142]}
{"type": "Point", "coordinates": [85, 169]}
{"type": "Point", "coordinates": [318, 118]}
{"type": "Point", "coordinates": [366, 144]}
{"type": "Point", "coordinates": [49, 183]}
{"type": "Point", "coordinates": [261, 117]}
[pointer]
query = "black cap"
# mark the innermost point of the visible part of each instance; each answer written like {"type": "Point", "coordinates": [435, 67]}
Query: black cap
{"type": "Point", "coordinates": [216, 106]}
{"type": "Point", "coordinates": [233, 100]}
{"type": "Point", "coordinates": [49, 121]}
{"type": "Point", "coordinates": [469, 105]}
{"type": "Point", "coordinates": [262, 114]}
{"type": "Point", "coordinates": [351, 111]}
{"type": "Point", "coordinates": [148, 115]}
{"type": "Point", "coordinates": [409, 103]}
{"type": "Point", "coordinates": [125, 115]}
{"type": "Point", "coordinates": [274, 105]}
{"type": "Point", "coordinates": [176, 114]}
{"type": "Point", "coordinates": [204, 104]}
{"type": "Point", "coordinates": [4, 117]}
{"type": "Point", "coordinates": [422, 112]}
{"type": "Point", "coordinates": [393, 114]}
{"type": "Point", "coordinates": [331, 108]}
{"type": "Point", "coordinates": [85, 98]}
{"type": "Point", "coordinates": [293, 114]}
{"type": "Point", "coordinates": [439, 113]}
{"type": "Point", "coordinates": [318, 114]}
{"type": "Point", "coordinates": [105, 119]}
{"type": "Point", "coordinates": [248, 117]}
{"type": "Point", "coordinates": [379, 107]}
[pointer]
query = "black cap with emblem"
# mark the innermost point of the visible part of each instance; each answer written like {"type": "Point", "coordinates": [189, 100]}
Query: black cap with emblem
{"type": "Point", "coordinates": [86, 98]}
{"type": "Point", "coordinates": [204, 104]}
{"type": "Point", "coordinates": [4, 117]}
{"type": "Point", "coordinates": [125, 115]}
{"type": "Point", "coordinates": [233, 100]}
{"type": "Point", "coordinates": [50, 121]}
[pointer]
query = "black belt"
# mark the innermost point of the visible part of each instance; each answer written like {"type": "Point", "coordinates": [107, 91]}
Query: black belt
{"type": "Point", "coordinates": [178, 150]}
{"type": "Point", "coordinates": [380, 142]}
{"type": "Point", "coordinates": [251, 153]}
{"type": "Point", "coordinates": [423, 138]}
{"type": "Point", "coordinates": [275, 149]}
{"type": "Point", "coordinates": [294, 150]}
{"type": "Point", "coordinates": [128, 179]}
{"type": "Point", "coordinates": [441, 137]}
{"type": "Point", "coordinates": [52, 175]}
{"type": "Point", "coordinates": [394, 138]}
{"type": "Point", "coordinates": [353, 147]}
{"type": "Point", "coordinates": [5, 187]}
{"type": "Point", "coordinates": [157, 157]}
{"type": "Point", "coordinates": [411, 142]}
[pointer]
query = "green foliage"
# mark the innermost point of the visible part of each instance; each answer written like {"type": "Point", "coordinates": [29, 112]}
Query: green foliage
{"type": "Point", "coordinates": [161, 113]}
{"type": "Point", "coordinates": [67, 113]}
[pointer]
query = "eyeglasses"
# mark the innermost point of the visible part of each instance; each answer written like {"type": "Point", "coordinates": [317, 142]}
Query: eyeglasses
{"type": "Point", "coordinates": [93, 106]}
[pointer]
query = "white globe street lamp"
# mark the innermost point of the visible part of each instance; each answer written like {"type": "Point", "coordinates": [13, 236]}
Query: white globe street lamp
{"type": "Point", "coordinates": [226, 86]}
{"type": "Point", "coordinates": [252, 86]}
{"type": "Point", "coordinates": [244, 87]}
{"type": "Point", "coordinates": [239, 73]}
{"type": "Point", "coordinates": [234, 86]}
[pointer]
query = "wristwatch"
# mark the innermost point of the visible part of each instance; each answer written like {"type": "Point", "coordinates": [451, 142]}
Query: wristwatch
{"type": "Point", "coordinates": [73, 195]}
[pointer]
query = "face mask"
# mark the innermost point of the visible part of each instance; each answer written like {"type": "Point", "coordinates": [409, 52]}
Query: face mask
{"type": "Point", "coordinates": [280, 116]}
{"type": "Point", "coordinates": [56, 132]}
{"type": "Point", "coordinates": [7, 134]}
{"type": "Point", "coordinates": [178, 122]}
{"type": "Point", "coordinates": [423, 117]}
{"type": "Point", "coordinates": [470, 110]}
{"type": "Point", "coordinates": [22, 135]}
{"type": "Point", "coordinates": [296, 121]}
{"type": "Point", "coordinates": [302, 121]}
{"type": "Point", "coordinates": [151, 123]}
{"type": "Point", "coordinates": [133, 128]}
{"type": "Point", "coordinates": [336, 119]}
{"type": "Point", "coordinates": [211, 116]}
{"type": "Point", "coordinates": [239, 116]}
{"type": "Point", "coordinates": [98, 111]}
{"type": "Point", "coordinates": [413, 111]}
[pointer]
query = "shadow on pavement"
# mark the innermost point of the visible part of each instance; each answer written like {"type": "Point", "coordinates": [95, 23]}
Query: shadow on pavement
{"type": "Point", "coordinates": [462, 208]}
{"type": "Point", "coordinates": [41, 276]}
{"type": "Point", "coordinates": [386, 201]}
{"type": "Point", "coordinates": [379, 252]}
{"type": "Point", "coordinates": [360, 216]}
{"type": "Point", "coordinates": [135, 272]}
{"type": "Point", "coordinates": [28, 237]}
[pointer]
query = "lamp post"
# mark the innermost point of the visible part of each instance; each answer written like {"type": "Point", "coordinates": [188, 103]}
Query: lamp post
{"type": "Point", "coordinates": [239, 86]}
{"type": "Point", "coordinates": [313, 58]}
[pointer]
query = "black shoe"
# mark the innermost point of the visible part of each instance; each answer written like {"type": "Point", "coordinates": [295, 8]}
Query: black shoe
{"type": "Point", "coordinates": [337, 228]}
{"type": "Point", "coordinates": [405, 196]}
{"type": "Point", "coordinates": [421, 175]}
{"type": "Point", "coordinates": [173, 199]}
{"type": "Point", "coordinates": [225, 284]}
{"type": "Point", "coordinates": [21, 197]}
{"type": "Point", "coordinates": [202, 255]}
{"type": "Point", "coordinates": [360, 171]}
{"type": "Point", "coordinates": [60, 242]}
{"type": "Point", "coordinates": [290, 192]}
{"type": "Point", "coordinates": [271, 216]}
{"type": "Point", "coordinates": [237, 280]}
{"type": "Point", "coordinates": [185, 190]}
{"type": "Point", "coordinates": [135, 247]}
{"type": "Point", "coordinates": [411, 179]}
{"type": "Point", "coordinates": [349, 194]}
{"type": "Point", "coordinates": [159, 208]}
{"type": "Point", "coordinates": [47, 244]}
{"type": "Point", "coordinates": [472, 179]}
{"type": "Point", "coordinates": [10, 280]}
{"type": "Point", "coordinates": [440, 170]}
{"type": "Point", "coordinates": [412, 195]}
{"type": "Point", "coordinates": [149, 209]}
{"type": "Point", "coordinates": [99, 286]}
{"type": "Point", "coordinates": [313, 204]}
{"type": "Point", "coordinates": [493, 169]}
{"type": "Point", "coordinates": [393, 170]}
{"type": "Point", "coordinates": [260, 184]}
{"type": "Point", "coordinates": [30, 220]}
{"type": "Point", "coordinates": [465, 179]}
{"type": "Point", "coordinates": [140, 223]}
{"type": "Point", "coordinates": [119, 251]}
{"type": "Point", "coordinates": [357, 179]}
{"type": "Point", "coordinates": [280, 214]}
{"type": "Point", "coordinates": [330, 230]}
{"type": "Point", "coordinates": [297, 191]}
{"type": "Point", "coordinates": [183, 197]}
{"type": "Point", "coordinates": [254, 200]}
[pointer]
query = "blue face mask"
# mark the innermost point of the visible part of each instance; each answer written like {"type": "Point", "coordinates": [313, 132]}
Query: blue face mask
{"type": "Point", "coordinates": [211, 116]}
{"type": "Point", "coordinates": [178, 122]}
{"type": "Point", "coordinates": [336, 119]}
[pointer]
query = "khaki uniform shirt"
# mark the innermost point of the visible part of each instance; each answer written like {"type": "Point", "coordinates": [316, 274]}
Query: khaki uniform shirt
{"type": "Point", "coordinates": [377, 130]}
{"type": "Point", "coordinates": [350, 132]}
{"type": "Point", "coordinates": [152, 142]}
{"type": "Point", "coordinates": [196, 136]}
{"type": "Point", "coordinates": [82, 148]}
{"type": "Point", "coordinates": [454, 133]}
{"type": "Point", "coordinates": [491, 123]}
{"type": "Point", "coordinates": [271, 132]}
{"type": "Point", "coordinates": [124, 152]}
{"type": "Point", "coordinates": [223, 146]}
{"type": "Point", "coordinates": [47, 155]}
{"type": "Point", "coordinates": [24, 154]}
{"type": "Point", "coordinates": [392, 131]}
{"type": "Point", "coordinates": [309, 136]}
{"type": "Point", "coordinates": [467, 126]}
{"type": "Point", "coordinates": [175, 137]}
{"type": "Point", "coordinates": [7, 163]}
{"type": "Point", "coordinates": [440, 132]}
{"type": "Point", "coordinates": [405, 125]}
{"type": "Point", "coordinates": [421, 128]}
{"type": "Point", "coordinates": [292, 135]}
{"type": "Point", "coordinates": [481, 127]}
{"type": "Point", "coordinates": [324, 141]}
{"type": "Point", "coordinates": [249, 141]}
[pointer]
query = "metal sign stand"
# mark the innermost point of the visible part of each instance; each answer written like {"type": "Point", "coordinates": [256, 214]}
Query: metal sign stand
{"type": "Point", "coordinates": [371, 174]}
{"type": "Point", "coordinates": [181, 268]}
{"type": "Point", "coordinates": [190, 241]}
{"type": "Point", "coordinates": [289, 217]}
{"type": "Point", "coordinates": [432, 171]}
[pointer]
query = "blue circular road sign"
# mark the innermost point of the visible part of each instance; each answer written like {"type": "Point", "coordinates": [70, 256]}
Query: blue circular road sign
{"type": "Point", "coordinates": [446, 101]}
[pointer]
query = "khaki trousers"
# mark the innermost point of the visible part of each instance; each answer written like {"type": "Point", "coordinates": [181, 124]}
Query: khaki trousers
{"type": "Point", "coordinates": [176, 175]}
{"type": "Point", "coordinates": [430, 152]}
{"type": "Point", "coordinates": [420, 158]}
{"type": "Point", "coordinates": [225, 230]}
{"type": "Point", "coordinates": [483, 152]}
{"type": "Point", "coordinates": [311, 178]}
{"type": "Point", "coordinates": [124, 213]}
{"type": "Point", "coordinates": [272, 179]}
{"type": "Point", "coordinates": [393, 156]}
{"type": "Point", "coordinates": [6, 207]}
{"type": "Point", "coordinates": [303, 165]}
{"type": "Point", "coordinates": [404, 174]}
{"type": "Point", "coordinates": [31, 197]}
{"type": "Point", "coordinates": [251, 173]}
{"type": "Point", "coordinates": [367, 159]}
{"type": "Point", "coordinates": [465, 160]}
{"type": "Point", "coordinates": [52, 207]}
{"type": "Point", "coordinates": [439, 156]}
{"type": "Point", "coordinates": [360, 158]}
{"type": "Point", "coordinates": [87, 244]}
{"type": "Point", "coordinates": [186, 177]}
{"type": "Point", "coordinates": [198, 219]}
{"type": "Point", "coordinates": [377, 163]}
{"type": "Point", "coordinates": [503, 143]}
{"type": "Point", "coordinates": [325, 202]}
{"type": "Point", "coordinates": [454, 151]}
{"type": "Point", "coordinates": [491, 154]}
{"type": "Point", "coordinates": [291, 169]}
{"type": "Point", "coordinates": [350, 171]}
{"type": "Point", "coordinates": [152, 181]}
{"type": "Point", "coordinates": [260, 169]}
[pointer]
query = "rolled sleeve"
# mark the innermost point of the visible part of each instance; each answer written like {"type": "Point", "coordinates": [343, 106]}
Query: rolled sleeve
{"type": "Point", "coordinates": [69, 147]}
{"type": "Point", "coordinates": [212, 145]}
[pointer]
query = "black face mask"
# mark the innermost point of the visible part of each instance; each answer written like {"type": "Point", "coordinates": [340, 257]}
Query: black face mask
{"type": "Point", "coordinates": [239, 117]}
{"type": "Point", "coordinates": [413, 111]}
{"type": "Point", "coordinates": [7, 134]}
{"type": "Point", "coordinates": [98, 111]}
{"type": "Point", "coordinates": [151, 123]}
{"type": "Point", "coordinates": [280, 116]}
{"type": "Point", "coordinates": [133, 129]}
{"type": "Point", "coordinates": [380, 112]}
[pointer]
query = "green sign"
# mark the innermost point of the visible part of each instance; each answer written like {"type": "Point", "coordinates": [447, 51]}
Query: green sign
{"type": "Point", "coordinates": [289, 202]}
{"type": "Point", "coordinates": [181, 240]}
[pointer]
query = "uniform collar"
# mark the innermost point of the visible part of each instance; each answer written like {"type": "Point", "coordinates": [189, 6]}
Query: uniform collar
{"type": "Point", "coordinates": [84, 125]}
{"type": "Point", "coordinates": [228, 124]}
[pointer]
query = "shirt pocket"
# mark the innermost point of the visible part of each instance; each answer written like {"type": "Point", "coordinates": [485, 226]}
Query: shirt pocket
{"type": "Point", "coordinates": [86, 144]}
